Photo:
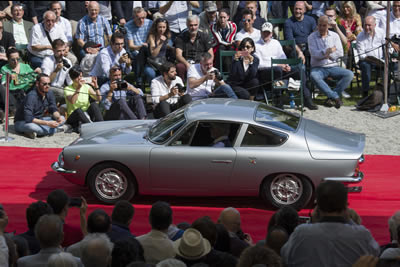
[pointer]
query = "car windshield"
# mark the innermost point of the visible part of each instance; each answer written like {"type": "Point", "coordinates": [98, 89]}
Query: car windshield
{"type": "Point", "coordinates": [276, 118]}
{"type": "Point", "coordinates": [167, 126]}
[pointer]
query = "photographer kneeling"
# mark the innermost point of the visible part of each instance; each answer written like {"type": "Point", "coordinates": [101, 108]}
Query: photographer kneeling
{"type": "Point", "coordinates": [121, 100]}
{"type": "Point", "coordinates": [205, 81]}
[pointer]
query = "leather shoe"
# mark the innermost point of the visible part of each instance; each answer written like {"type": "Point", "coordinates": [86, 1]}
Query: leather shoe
{"type": "Point", "coordinates": [310, 104]}
{"type": "Point", "coordinates": [338, 103]}
{"type": "Point", "coordinates": [329, 103]}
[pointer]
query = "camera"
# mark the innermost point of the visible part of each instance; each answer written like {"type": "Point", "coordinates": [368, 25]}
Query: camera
{"type": "Point", "coordinates": [65, 63]}
{"type": "Point", "coordinates": [75, 202]}
{"type": "Point", "coordinates": [181, 88]}
{"type": "Point", "coordinates": [121, 85]}
{"type": "Point", "coordinates": [218, 75]}
{"type": "Point", "coordinates": [122, 29]}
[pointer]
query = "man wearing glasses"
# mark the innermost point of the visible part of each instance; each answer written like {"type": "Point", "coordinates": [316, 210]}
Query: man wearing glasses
{"type": "Point", "coordinates": [38, 116]}
{"type": "Point", "coordinates": [248, 29]}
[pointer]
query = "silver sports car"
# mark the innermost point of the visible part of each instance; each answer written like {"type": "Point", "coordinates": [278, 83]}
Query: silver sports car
{"type": "Point", "coordinates": [213, 147]}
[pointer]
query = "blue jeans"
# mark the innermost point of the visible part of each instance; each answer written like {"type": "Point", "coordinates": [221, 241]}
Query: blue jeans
{"type": "Point", "coordinates": [36, 62]}
{"type": "Point", "coordinates": [366, 69]}
{"type": "Point", "coordinates": [318, 74]}
{"type": "Point", "coordinates": [40, 130]}
{"type": "Point", "coordinates": [224, 90]}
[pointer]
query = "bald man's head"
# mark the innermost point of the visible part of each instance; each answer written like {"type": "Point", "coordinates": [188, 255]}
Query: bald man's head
{"type": "Point", "coordinates": [230, 218]}
{"type": "Point", "coordinates": [370, 24]}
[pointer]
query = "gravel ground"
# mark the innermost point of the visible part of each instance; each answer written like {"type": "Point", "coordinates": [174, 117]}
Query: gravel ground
{"type": "Point", "coordinates": [381, 134]}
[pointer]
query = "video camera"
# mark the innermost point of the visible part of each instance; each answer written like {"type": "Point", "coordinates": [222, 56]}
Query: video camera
{"type": "Point", "coordinates": [121, 85]}
{"type": "Point", "coordinates": [65, 63]}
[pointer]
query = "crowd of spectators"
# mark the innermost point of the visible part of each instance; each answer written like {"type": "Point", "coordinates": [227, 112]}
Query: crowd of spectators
{"type": "Point", "coordinates": [113, 50]}
{"type": "Point", "coordinates": [333, 235]}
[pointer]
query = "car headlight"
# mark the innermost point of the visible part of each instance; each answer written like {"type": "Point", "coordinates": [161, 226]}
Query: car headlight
{"type": "Point", "coordinates": [61, 159]}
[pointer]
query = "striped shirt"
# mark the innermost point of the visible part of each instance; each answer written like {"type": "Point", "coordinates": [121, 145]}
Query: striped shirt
{"type": "Point", "coordinates": [89, 30]}
{"type": "Point", "coordinates": [224, 37]}
{"type": "Point", "coordinates": [138, 34]}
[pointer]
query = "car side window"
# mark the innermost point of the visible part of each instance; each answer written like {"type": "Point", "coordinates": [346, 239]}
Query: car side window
{"type": "Point", "coordinates": [186, 137]}
{"type": "Point", "coordinates": [259, 136]}
{"type": "Point", "coordinates": [215, 134]}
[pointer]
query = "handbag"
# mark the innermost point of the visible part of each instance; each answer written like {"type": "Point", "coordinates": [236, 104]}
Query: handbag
{"type": "Point", "coordinates": [156, 63]}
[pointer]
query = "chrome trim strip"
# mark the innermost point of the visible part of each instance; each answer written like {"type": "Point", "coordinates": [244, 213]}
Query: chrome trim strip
{"type": "Point", "coordinates": [356, 179]}
{"type": "Point", "coordinates": [56, 167]}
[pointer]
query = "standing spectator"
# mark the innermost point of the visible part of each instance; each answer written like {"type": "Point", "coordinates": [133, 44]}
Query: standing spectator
{"type": "Point", "coordinates": [112, 55]}
{"type": "Point", "coordinates": [248, 30]}
{"type": "Point", "coordinates": [56, 67]}
{"type": "Point", "coordinates": [190, 45]}
{"type": "Point", "coordinates": [105, 10]}
{"type": "Point", "coordinates": [77, 99]}
{"type": "Point", "coordinates": [43, 35]}
{"type": "Point", "coordinates": [176, 13]}
{"type": "Point", "coordinates": [122, 11]}
{"type": "Point", "coordinates": [165, 92]}
{"type": "Point", "coordinates": [377, 9]}
{"type": "Point", "coordinates": [6, 41]}
{"type": "Point", "coordinates": [121, 100]}
{"type": "Point", "coordinates": [74, 11]}
{"type": "Point", "coordinates": [203, 81]}
{"type": "Point", "coordinates": [369, 43]}
{"type": "Point", "coordinates": [243, 74]}
{"type": "Point", "coordinates": [258, 21]}
{"type": "Point", "coordinates": [92, 27]}
{"type": "Point", "coordinates": [325, 48]}
{"type": "Point", "coordinates": [21, 29]}
{"type": "Point", "coordinates": [38, 115]}
{"type": "Point", "coordinates": [333, 241]}
{"type": "Point", "coordinates": [208, 17]}
{"type": "Point", "coordinates": [394, 21]}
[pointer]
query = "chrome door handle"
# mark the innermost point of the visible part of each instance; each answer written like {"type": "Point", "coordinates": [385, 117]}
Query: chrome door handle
{"type": "Point", "coordinates": [221, 161]}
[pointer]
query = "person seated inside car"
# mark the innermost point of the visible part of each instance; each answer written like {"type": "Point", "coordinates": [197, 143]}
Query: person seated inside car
{"type": "Point", "coordinates": [220, 133]}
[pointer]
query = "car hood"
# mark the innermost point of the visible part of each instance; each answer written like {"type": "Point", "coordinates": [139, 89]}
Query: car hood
{"type": "Point", "coordinates": [124, 133]}
{"type": "Point", "coordinates": [327, 142]}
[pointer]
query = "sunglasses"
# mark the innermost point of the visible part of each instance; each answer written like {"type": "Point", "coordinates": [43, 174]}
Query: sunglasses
{"type": "Point", "coordinates": [246, 20]}
{"type": "Point", "coordinates": [15, 59]}
{"type": "Point", "coordinates": [45, 84]}
{"type": "Point", "coordinates": [248, 46]}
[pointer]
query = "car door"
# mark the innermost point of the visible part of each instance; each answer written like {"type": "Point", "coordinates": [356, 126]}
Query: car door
{"type": "Point", "coordinates": [189, 166]}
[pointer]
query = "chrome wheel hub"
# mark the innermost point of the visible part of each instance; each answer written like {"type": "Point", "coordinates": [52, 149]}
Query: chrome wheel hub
{"type": "Point", "coordinates": [111, 183]}
{"type": "Point", "coordinates": [286, 189]}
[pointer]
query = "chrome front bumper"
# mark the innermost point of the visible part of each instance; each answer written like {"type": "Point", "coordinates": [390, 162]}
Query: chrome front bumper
{"type": "Point", "coordinates": [56, 167]}
{"type": "Point", "coordinates": [355, 179]}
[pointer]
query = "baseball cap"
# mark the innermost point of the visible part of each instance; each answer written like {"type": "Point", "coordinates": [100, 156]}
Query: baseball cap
{"type": "Point", "coordinates": [267, 27]}
{"type": "Point", "coordinates": [91, 44]}
{"type": "Point", "coordinates": [210, 6]}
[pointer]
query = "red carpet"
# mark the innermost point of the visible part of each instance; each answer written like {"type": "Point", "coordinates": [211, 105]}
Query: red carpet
{"type": "Point", "coordinates": [26, 177]}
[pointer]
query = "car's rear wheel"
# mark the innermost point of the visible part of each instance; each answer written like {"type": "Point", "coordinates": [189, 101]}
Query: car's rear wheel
{"type": "Point", "coordinates": [287, 189]}
{"type": "Point", "coordinates": [111, 182]}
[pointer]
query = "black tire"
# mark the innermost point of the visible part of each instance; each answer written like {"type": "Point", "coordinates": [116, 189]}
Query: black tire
{"type": "Point", "coordinates": [287, 189]}
{"type": "Point", "coordinates": [119, 183]}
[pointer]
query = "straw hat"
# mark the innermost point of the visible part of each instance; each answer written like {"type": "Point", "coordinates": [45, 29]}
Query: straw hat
{"type": "Point", "coordinates": [192, 245]}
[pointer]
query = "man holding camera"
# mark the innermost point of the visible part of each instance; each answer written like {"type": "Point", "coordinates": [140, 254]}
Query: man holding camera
{"type": "Point", "coordinates": [57, 67]}
{"type": "Point", "coordinates": [121, 101]}
{"type": "Point", "coordinates": [205, 81]}
{"type": "Point", "coordinates": [168, 93]}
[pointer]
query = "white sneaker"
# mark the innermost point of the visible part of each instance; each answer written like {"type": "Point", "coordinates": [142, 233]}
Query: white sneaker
{"type": "Point", "coordinates": [345, 94]}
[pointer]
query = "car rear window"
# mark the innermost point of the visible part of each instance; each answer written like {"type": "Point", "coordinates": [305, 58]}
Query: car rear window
{"type": "Point", "coordinates": [277, 118]}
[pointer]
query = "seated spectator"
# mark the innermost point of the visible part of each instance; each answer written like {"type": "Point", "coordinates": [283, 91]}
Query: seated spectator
{"type": "Point", "coordinates": [43, 35]}
{"type": "Point", "coordinates": [120, 99]}
{"type": "Point", "coordinates": [333, 26]}
{"type": "Point", "coordinates": [22, 78]}
{"type": "Point", "coordinates": [298, 27]}
{"type": "Point", "coordinates": [325, 49]}
{"type": "Point", "coordinates": [333, 241]}
{"type": "Point", "coordinates": [369, 43]}
{"type": "Point", "coordinates": [49, 232]}
{"type": "Point", "coordinates": [77, 99]}
{"type": "Point", "coordinates": [230, 218]}
{"type": "Point", "coordinates": [276, 237]}
{"type": "Point", "coordinates": [92, 27]}
{"type": "Point", "coordinates": [4, 252]}
{"type": "Point", "coordinates": [56, 67]}
{"type": "Point", "coordinates": [38, 115]}
{"type": "Point", "coordinates": [165, 92]}
{"type": "Point", "coordinates": [63, 259]}
{"type": "Point", "coordinates": [112, 55]}
{"type": "Point", "coordinates": [258, 20]}
{"type": "Point", "coordinates": [170, 263]}
{"type": "Point", "coordinates": [21, 247]}
{"type": "Point", "coordinates": [202, 79]}
{"type": "Point", "coordinates": [393, 225]}
{"type": "Point", "coordinates": [137, 31]}
{"type": "Point", "coordinates": [96, 252]}
{"type": "Point", "coordinates": [98, 225]}
{"type": "Point", "coordinates": [248, 29]}
{"type": "Point", "coordinates": [286, 217]}
{"type": "Point", "coordinates": [243, 75]}
{"type": "Point", "coordinates": [190, 45]}
{"type": "Point", "coordinates": [6, 41]}
{"type": "Point", "coordinates": [394, 20]}
{"type": "Point", "coordinates": [125, 251]}
{"type": "Point", "coordinates": [223, 32]}
{"type": "Point", "coordinates": [59, 202]}
{"type": "Point", "coordinates": [92, 50]}
{"type": "Point", "coordinates": [208, 17]}
{"type": "Point", "coordinates": [258, 255]}
{"type": "Point", "coordinates": [33, 213]}
{"type": "Point", "coordinates": [156, 244]}
{"type": "Point", "coordinates": [21, 29]}
{"type": "Point", "coordinates": [220, 133]}
{"type": "Point", "coordinates": [65, 25]}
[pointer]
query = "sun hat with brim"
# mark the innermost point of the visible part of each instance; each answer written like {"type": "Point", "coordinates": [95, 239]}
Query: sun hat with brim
{"type": "Point", "coordinates": [192, 245]}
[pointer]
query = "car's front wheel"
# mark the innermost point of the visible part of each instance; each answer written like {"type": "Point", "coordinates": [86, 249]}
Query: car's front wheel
{"type": "Point", "coordinates": [287, 189]}
{"type": "Point", "coordinates": [111, 182]}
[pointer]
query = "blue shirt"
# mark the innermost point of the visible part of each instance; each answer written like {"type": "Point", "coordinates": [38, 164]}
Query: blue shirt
{"type": "Point", "coordinates": [107, 59]}
{"type": "Point", "coordinates": [36, 107]}
{"type": "Point", "coordinates": [87, 30]}
{"type": "Point", "coordinates": [117, 94]}
{"type": "Point", "coordinates": [299, 30]}
{"type": "Point", "coordinates": [138, 34]}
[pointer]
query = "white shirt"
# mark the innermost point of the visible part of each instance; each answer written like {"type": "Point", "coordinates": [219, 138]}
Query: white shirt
{"type": "Point", "coordinates": [255, 35]}
{"type": "Point", "coordinates": [39, 37]}
{"type": "Point", "coordinates": [3, 252]}
{"type": "Point", "coordinates": [368, 45]}
{"type": "Point", "coordinates": [105, 60]}
{"type": "Point", "coordinates": [394, 25]}
{"type": "Point", "coordinates": [160, 88]}
{"type": "Point", "coordinates": [204, 89]}
{"type": "Point", "coordinates": [19, 33]}
{"type": "Point", "coordinates": [176, 15]}
{"type": "Point", "coordinates": [66, 26]}
{"type": "Point", "coordinates": [318, 46]}
{"type": "Point", "coordinates": [49, 64]}
{"type": "Point", "coordinates": [157, 246]}
{"type": "Point", "coordinates": [266, 51]}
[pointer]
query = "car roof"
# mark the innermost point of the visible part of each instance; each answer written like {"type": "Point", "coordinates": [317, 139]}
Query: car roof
{"type": "Point", "coordinates": [221, 109]}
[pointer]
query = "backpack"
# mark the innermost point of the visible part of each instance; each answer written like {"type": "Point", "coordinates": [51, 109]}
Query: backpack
{"type": "Point", "coordinates": [372, 102]}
